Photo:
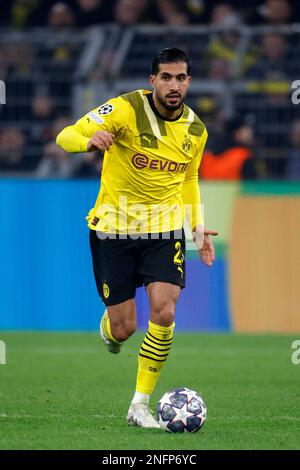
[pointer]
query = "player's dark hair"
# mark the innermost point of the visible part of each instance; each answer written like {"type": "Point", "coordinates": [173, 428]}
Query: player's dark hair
{"type": "Point", "coordinates": [170, 55]}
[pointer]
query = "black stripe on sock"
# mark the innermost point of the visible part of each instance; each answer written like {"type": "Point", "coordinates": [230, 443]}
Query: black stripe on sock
{"type": "Point", "coordinates": [159, 344]}
{"type": "Point", "coordinates": [158, 339]}
{"type": "Point", "coordinates": [157, 349]}
{"type": "Point", "coordinates": [147, 357]}
{"type": "Point", "coordinates": [154, 353]}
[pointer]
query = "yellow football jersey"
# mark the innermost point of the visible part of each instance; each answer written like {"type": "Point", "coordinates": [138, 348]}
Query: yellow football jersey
{"type": "Point", "coordinates": [151, 170]}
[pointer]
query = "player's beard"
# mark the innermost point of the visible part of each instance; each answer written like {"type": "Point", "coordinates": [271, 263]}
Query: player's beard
{"type": "Point", "coordinates": [169, 107]}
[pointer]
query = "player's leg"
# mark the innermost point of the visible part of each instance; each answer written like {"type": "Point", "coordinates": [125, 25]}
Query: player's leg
{"type": "Point", "coordinates": [117, 324]}
{"type": "Point", "coordinates": [154, 350]}
{"type": "Point", "coordinates": [157, 342]}
{"type": "Point", "coordinates": [162, 269]}
{"type": "Point", "coordinates": [114, 270]}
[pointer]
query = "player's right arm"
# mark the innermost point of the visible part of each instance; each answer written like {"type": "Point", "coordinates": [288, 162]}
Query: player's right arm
{"type": "Point", "coordinates": [96, 130]}
{"type": "Point", "coordinates": [192, 199]}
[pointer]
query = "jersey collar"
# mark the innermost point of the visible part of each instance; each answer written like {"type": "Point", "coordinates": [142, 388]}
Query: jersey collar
{"type": "Point", "coordinates": [149, 97]}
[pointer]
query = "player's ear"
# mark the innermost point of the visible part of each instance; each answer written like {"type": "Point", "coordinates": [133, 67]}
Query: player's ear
{"type": "Point", "coordinates": [152, 80]}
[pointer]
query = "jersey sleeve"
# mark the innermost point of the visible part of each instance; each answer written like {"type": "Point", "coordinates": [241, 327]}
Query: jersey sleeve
{"type": "Point", "coordinates": [111, 117]}
{"type": "Point", "coordinates": [190, 188]}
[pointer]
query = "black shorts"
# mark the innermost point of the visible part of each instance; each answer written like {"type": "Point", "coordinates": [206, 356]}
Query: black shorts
{"type": "Point", "coordinates": [123, 264]}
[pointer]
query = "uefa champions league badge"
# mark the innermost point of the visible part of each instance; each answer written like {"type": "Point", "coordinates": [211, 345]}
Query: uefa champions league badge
{"type": "Point", "coordinates": [105, 109]}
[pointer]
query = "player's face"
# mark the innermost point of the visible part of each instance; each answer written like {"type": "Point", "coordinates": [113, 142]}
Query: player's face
{"type": "Point", "coordinates": [171, 84]}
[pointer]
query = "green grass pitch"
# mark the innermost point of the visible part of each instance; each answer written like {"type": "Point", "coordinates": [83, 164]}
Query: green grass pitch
{"type": "Point", "coordinates": [65, 391]}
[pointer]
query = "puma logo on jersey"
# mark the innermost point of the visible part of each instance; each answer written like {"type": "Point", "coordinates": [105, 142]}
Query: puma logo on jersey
{"type": "Point", "coordinates": [148, 140]}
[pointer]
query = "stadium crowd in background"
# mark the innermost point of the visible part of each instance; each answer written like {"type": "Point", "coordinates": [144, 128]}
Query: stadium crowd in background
{"type": "Point", "coordinates": [24, 14]}
{"type": "Point", "coordinates": [39, 83]}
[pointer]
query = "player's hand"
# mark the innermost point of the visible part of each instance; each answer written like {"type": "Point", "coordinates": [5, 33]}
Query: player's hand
{"type": "Point", "coordinates": [207, 252]}
{"type": "Point", "coordinates": [204, 244]}
{"type": "Point", "coordinates": [101, 140]}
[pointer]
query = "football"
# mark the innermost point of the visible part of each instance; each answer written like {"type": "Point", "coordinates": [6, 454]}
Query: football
{"type": "Point", "coordinates": [181, 410]}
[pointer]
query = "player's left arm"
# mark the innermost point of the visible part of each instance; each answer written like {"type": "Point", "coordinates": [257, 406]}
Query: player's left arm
{"type": "Point", "coordinates": [192, 202]}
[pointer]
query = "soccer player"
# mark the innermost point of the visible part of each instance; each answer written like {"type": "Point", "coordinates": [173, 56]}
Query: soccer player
{"type": "Point", "coordinates": [153, 145]}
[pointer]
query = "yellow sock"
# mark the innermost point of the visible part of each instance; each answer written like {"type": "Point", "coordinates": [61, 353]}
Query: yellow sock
{"type": "Point", "coordinates": [105, 325]}
{"type": "Point", "coordinates": [152, 356]}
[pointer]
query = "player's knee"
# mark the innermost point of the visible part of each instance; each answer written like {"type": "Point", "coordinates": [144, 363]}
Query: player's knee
{"type": "Point", "coordinates": [122, 331]}
{"type": "Point", "coordinates": [130, 328]}
{"type": "Point", "coordinates": [166, 318]}
{"type": "Point", "coordinates": [163, 315]}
